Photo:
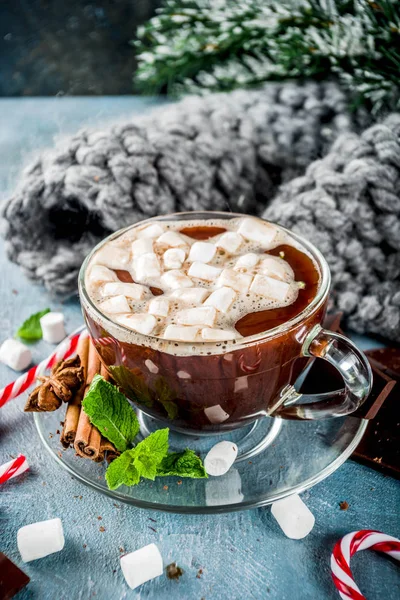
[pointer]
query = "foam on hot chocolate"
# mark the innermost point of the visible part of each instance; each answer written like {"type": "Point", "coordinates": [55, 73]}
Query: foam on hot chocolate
{"type": "Point", "coordinates": [207, 285]}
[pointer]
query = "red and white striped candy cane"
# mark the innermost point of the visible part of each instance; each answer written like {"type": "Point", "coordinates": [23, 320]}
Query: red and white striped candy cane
{"type": "Point", "coordinates": [62, 352]}
{"type": "Point", "coordinates": [13, 468]}
{"type": "Point", "coordinates": [349, 545]}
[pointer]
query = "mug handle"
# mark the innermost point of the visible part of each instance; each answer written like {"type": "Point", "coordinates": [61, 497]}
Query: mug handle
{"type": "Point", "coordinates": [352, 365]}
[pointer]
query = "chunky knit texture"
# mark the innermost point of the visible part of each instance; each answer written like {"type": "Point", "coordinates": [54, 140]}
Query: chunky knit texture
{"type": "Point", "coordinates": [246, 151]}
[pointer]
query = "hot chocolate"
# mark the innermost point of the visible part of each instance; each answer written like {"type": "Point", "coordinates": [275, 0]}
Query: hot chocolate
{"type": "Point", "coordinates": [207, 281]}
{"type": "Point", "coordinates": [201, 321]}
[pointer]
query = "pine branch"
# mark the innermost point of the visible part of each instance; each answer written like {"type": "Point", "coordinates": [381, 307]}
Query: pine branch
{"type": "Point", "coordinates": [207, 45]}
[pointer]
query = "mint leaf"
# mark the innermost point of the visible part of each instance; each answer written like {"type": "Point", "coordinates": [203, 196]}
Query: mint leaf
{"type": "Point", "coordinates": [122, 471]}
{"type": "Point", "coordinates": [112, 414]}
{"type": "Point", "coordinates": [182, 464]}
{"type": "Point", "coordinates": [141, 461]}
{"type": "Point", "coordinates": [30, 330]}
{"type": "Point", "coordinates": [149, 453]}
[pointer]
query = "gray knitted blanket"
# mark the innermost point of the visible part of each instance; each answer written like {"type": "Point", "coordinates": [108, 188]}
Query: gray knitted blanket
{"type": "Point", "coordinates": [256, 152]}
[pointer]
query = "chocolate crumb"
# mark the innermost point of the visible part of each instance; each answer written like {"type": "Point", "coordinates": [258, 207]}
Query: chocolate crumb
{"type": "Point", "coordinates": [165, 487]}
{"type": "Point", "coordinates": [152, 528]}
{"type": "Point", "coordinates": [85, 545]}
{"type": "Point", "coordinates": [344, 505]}
{"type": "Point", "coordinates": [122, 549]}
{"type": "Point", "coordinates": [99, 518]}
{"type": "Point", "coordinates": [15, 292]}
{"type": "Point", "coordinates": [179, 482]}
{"type": "Point", "coordinates": [102, 528]}
{"type": "Point", "coordinates": [43, 483]}
{"type": "Point", "coordinates": [173, 571]}
{"type": "Point", "coordinates": [151, 519]}
{"type": "Point", "coordinates": [199, 573]}
{"type": "Point", "coordinates": [57, 431]}
{"type": "Point", "coordinates": [117, 505]}
{"type": "Point", "coordinates": [59, 454]}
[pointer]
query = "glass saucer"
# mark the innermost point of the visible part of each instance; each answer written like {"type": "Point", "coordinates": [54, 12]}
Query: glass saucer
{"type": "Point", "coordinates": [276, 458]}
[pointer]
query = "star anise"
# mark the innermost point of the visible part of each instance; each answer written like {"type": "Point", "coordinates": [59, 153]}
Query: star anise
{"type": "Point", "coordinates": [66, 378]}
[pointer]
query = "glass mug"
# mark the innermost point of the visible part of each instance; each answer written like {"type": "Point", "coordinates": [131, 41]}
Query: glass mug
{"type": "Point", "coordinates": [202, 393]}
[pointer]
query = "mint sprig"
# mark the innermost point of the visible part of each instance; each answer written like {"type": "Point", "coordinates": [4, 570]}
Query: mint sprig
{"type": "Point", "coordinates": [31, 330]}
{"type": "Point", "coordinates": [150, 459]}
{"type": "Point", "coordinates": [110, 411]}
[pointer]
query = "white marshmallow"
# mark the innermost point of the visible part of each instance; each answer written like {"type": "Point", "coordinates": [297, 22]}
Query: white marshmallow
{"type": "Point", "coordinates": [172, 239]}
{"type": "Point", "coordinates": [217, 335]}
{"type": "Point", "coordinates": [216, 414]}
{"type": "Point", "coordinates": [193, 295]}
{"type": "Point", "coordinates": [229, 241]}
{"type": "Point", "coordinates": [233, 279]}
{"type": "Point", "coordinates": [176, 280]}
{"type": "Point", "coordinates": [53, 329]}
{"type": "Point", "coordinates": [180, 333]}
{"type": "Point", "coordinates": [15, 355]}
{"type": "Point", "coordinates": [227, 490]}
{"type": "Point", "coordinates": [146, 267]}
{"type": "Point", "coordinates": [258, 231]}
{"type": "Point", "coordinates": [202, 251]}
{"type": "Point", "coordinates": [151, 231]}
{"type": "Point", "coordinates": [220, 458]}
{"type": "Point", "coordinates": [151, 366]}
{"type": "Point", "coordinates": [221, 299]}
{"type": "Point", "coordinates": [99, 274]}
{"type": "Point", "coordinates": [293, 516]}
{"type": "Point", "coordinates": [247, 261]}
{"type": "Point", "coordinates": [115, 305]}
{"type": "Point", "coordinates": [141, 322]}
{"type": "Point", "coordinates": [202, 271]}
{"type": "Point", "coordinates": [129, 290]}
{"type": "Point", "coordinates": [38, 540]}
{"type": "Point", "coordinates": [142, 246]}
{"type": "Point", "coordinates": [112, 257]}
{"type": "Point", "coordinates": [159, 306]}
{"type": "Point", "coordinates": [201, 315]}
{"type": "Point", "coordinates": [174, 258]}
{"type": "Point", "coordinates": [269, 287]}
{"type": "Point", "coordinates": [276, 268]}
{"type": "Point", "coordinates": [142, 565]}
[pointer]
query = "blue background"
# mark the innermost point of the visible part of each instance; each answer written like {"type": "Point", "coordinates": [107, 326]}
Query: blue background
{"type": "Point", "coordinates": [243, 555]}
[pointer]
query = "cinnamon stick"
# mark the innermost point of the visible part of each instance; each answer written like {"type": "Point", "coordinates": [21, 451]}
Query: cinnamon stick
{"type": "Point", "coordinates": [107, 451]}
{"type": "Point", "coordinates": [88, 438]}
{"type": "Point", "coordinates": [74, 406]}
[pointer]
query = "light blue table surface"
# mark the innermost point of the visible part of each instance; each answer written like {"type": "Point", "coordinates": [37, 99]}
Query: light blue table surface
{"type": "Point", "coordinates": [243, 555]}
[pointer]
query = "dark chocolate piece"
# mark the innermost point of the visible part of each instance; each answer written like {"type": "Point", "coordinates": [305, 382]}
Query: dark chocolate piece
{"type": "Point", "coordinates": [12, 579]}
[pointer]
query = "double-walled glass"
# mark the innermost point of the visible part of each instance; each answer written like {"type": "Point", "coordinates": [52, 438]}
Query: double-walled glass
{"type": "Point", "coordinates": [205, 387]}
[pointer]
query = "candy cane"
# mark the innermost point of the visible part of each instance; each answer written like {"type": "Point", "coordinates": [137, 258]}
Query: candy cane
{"type": "Point", "coordinates": [13, 468]}
{"type": "Point", "coordinates": [349, 545]}
{"type": "Point", "coordinates": [63, 351]}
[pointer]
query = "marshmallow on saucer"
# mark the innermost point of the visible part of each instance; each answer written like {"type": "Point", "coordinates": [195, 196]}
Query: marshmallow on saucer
{"type": "Point", "coordinates": [15, 355]}
{"type": "Point", "coordinates": [293, 516]}
{"type": "Point", "coordinates": [53, 329]}
{"type": "Point", "coordinates": [142, 565]}
{"type": "Point", "coordinates": [40, 539]}
{"type": "Point", "coordinates": [220, 458]}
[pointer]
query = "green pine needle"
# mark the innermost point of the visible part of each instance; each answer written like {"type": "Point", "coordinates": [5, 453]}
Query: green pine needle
{"type": "Point", "coordinates": [207, 45]}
